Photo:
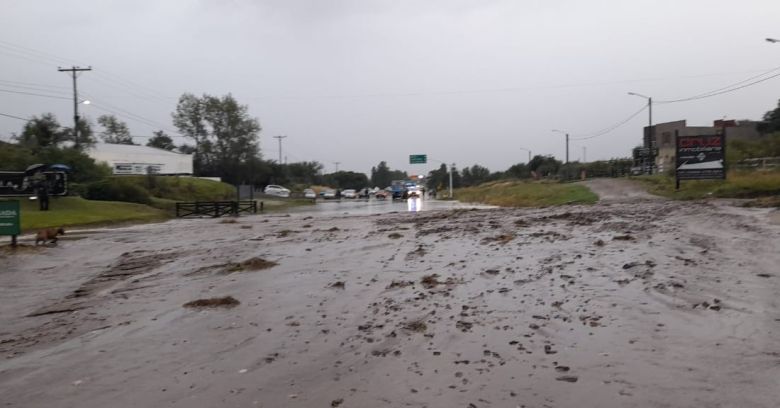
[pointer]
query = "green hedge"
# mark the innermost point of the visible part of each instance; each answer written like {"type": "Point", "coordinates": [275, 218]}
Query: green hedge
{"type": "Point", "coordinates": [116, 189]}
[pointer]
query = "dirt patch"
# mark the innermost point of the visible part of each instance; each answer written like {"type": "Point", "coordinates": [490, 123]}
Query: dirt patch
{"type": "Point", "coordinates": [395, 235]}
{"type": "Point", "coordinates": [417, 326]}
{"type": "Point", "coordinates": [399, 284]}
{"type": "Point", "coordinates": [218, 302]}
{"type": "Point", "coordinates": [337, 285]}
{"type": "Point", "coordinates": [430, 281]}
{"type": "Point", "coordinates": [228, 221]}
{"type": "Point", "coordinates": [502, 239]}
{"type": "Point", "coordinates": [252, 264]}
{"type": "Point", "coordinates": [623, 238]}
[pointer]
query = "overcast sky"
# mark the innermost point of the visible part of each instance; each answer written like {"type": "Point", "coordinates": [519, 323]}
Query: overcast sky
{"type": "Point", "coordinates": [361, 81]}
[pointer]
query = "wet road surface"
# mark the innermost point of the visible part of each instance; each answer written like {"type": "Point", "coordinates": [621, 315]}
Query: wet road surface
{"type": "Point", "coordinates": [636, 303]}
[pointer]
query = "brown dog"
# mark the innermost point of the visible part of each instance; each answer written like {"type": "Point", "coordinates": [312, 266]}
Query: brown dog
{"type": "Point", "coordinates": [49, 234]}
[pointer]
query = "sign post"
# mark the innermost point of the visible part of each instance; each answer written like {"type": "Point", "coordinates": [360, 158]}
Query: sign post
{"type": "Point", "coordinates": [700, 158]}
{"type": "Point", "coordinates": [9, 220]}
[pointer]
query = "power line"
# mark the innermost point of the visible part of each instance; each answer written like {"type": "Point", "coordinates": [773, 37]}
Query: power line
{"type": "Point", "coordinates": [39, 86]}
{"type": "Point", "coordinates": [727, 89]}
{"type": "Point", "coordinates": [13, 117]}
{"type": "Point", "coordinates": [34, 94]}
{"type": "Point", "coordinates": [612, 127]}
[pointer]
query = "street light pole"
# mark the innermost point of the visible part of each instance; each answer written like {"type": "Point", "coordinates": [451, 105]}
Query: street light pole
{"type": "Point", "coordinates": [567, 143]}
{"type": "Point", "coordinates": [529, 153]}
{"type": "Point", "coordinates": [773, 40]}
{"type": "Point", "coordinates": [649, 124]}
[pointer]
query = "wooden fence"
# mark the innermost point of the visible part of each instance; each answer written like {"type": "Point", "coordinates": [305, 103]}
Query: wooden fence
{"type": "Point", "coordinates": [215, 208]}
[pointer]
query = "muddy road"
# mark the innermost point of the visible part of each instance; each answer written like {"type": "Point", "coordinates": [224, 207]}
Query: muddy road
{"type": "Point", "coordinates": [628, 303]}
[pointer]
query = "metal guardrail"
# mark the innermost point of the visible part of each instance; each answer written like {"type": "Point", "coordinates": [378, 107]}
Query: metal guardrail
{"type": "Point", "coordinates": [759, 163]}
{"type": "Point", "coordinates": [215, 209]}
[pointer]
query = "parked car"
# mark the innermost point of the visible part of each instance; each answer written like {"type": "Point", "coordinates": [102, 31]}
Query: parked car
{"type": "Point", "coordinates": [380, 194]}
{"type": "Point", "coordinates": [348, 193]}
{"type": "Point", "coordinates": [328, 194]}
{"type": "Point", "coordinates": [309, 193]}
{"type": "Point", "coordinates": [365, 193]}
{"type": "Point", "coordinates": [274, 190]}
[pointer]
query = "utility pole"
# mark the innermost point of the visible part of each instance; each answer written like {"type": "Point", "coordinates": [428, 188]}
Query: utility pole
{"type": "Point", "coordinates": [584, 158]}
{"type": "Point", "coordinates": [649, 142]}
{"type": "Point", "coordinates": [452, 169]}
{"type": "Point", "coordinates": [74, 70]}
{"type": "Point", "coordinates": [337, 166]}
{"type": "Point", "coordinates": [280, 147]}
{"type": "Point", "coordinates": [567, 142]}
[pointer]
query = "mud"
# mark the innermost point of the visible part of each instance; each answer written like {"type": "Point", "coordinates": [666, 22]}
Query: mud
{"type": "Point", "coordinates": [484, 308]}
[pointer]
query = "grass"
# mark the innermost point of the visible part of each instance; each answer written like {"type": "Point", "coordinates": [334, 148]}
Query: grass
{"type": "Point", "coordinates": [72, 211]}
{"type": "Point", "coordinates": [738, 184]}
{"type": "Point", "coordinates": [183, 188]}
{"type": "Point", "coordinates": [517, 193]}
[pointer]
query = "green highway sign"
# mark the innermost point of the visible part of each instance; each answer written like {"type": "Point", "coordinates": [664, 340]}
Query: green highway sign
{"type": "Point", "coordinates": [9, 218]}
{"type": "Point", "coordinates": [418, 158]}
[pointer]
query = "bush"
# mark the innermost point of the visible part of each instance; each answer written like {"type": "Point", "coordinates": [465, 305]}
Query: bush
{"type": "Point", "coordinates": [117, 190]}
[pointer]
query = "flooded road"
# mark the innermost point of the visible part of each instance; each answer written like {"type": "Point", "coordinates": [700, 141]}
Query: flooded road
{"type": "Point", "coordinates": [372, 207]}
{"type": "Point", "coordinates": [627, 303]}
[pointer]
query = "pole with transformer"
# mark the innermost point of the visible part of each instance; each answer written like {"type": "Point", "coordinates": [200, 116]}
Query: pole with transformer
{"type": "Point", "coordinates": [280, 147]}
{"type": "Point", "coordinates": [74, 71]}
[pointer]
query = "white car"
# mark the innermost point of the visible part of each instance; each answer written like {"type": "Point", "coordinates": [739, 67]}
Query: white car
{"type": "Point", "coordinates": [275, 190]}
{"type": "Point", "coordinates": [348, 193]}
{"type": "Point", "coordinates": [309, 193]}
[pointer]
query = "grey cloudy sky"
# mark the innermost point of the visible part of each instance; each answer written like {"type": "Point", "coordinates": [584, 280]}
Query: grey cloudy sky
{"type": "Point", "coordinates": [361, 81]}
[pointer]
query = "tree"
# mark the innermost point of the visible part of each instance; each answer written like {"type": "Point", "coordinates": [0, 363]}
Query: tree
{"type": "Point", "coordinates": [161, 141]}
{"type": "Point", "coordinates": [475, 175]}
{"type": "Point", "coordinates": [186, 149]}
{"type": "Point", "coordinates": [346, 179]}
{"type": "Point", "coordinates": [382, 176]}
{"type": "Point", "coordinates": [519, 171]}
{"type": "Point", "coordinates": [114, 130]}
{"type": "Point", "coordinates": [771, 121]}
{"type": "Point", "coordinates": [86, 135]}
{"type": "Point", "coordinates": [225, 135]}
{"type": "Point", "coordinates": [303, 172]}
{"type": "Point", "coordinates": [41, 131]}
{"type": "Point", "coordinates": [544, 165]}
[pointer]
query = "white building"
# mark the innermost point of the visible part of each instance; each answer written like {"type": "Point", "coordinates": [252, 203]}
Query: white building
{"type": "Point", "coordinates": [133, 159]}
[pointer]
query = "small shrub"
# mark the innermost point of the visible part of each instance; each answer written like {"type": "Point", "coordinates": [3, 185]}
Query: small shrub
{"type": "Point", "coordinates": [117, 190]}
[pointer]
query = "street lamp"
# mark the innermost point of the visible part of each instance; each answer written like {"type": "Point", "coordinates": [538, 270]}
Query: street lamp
{"type": "Point", "coordinates": [529, 153]}
{"type": "Point", "coordinates": [567, 142]}
{"type": "Point", "coordinates": [773, 40]}
{"type": "Point", "coordinates": [649, 123]}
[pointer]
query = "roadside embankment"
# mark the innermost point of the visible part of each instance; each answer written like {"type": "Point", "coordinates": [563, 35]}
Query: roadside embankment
{"type": "Point", "coordinates": [516, 193]}
{"type": "Point", "coordinates": [762, 185]}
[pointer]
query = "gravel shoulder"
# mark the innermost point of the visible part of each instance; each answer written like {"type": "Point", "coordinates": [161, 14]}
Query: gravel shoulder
{"type": "Point", "coordinates": [638, 302]}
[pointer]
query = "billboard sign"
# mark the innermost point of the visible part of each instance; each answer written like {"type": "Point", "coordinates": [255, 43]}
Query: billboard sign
{"type": "Point", "coordinates": [701, 157]}
{"type": "Point", "coordinates": [418, 158]}
{"type": "Point", "coordinates": [9, 218]}
{"type": "Point", "coordinates": [21, 184]}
